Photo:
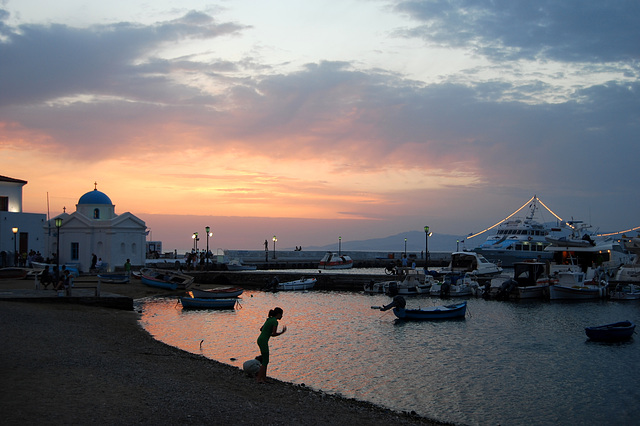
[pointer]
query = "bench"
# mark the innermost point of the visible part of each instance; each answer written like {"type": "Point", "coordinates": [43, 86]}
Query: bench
{"type": "Point", "coordinates": [73, 286]}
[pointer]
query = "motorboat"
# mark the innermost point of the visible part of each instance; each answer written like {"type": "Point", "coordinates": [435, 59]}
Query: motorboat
{"type": "Point", "coordinates": [237, 265]}
{"type": "Point", "coordinates": [572, 285]}
{"type": "Point", "coordinates": [625, 291]}
{"type": "Point", "coordinates": [411, 282]}
{"type": "Point", "coordinates": [333, 260]}
{"type": "Point", "coordinates": [530, 280]}
{"type": "Point", "coordinates": [190, 302]}
{"type": "Point", "coordinates": [471, 262]}
{"type": "Point", "coordinates": [455, 285]}
{"type": "Point", "coordinates": [617, 331]}
{"type": "Point", "coordinates": [301, 284]}
{"type": "Point", "coordinates": [216, 293]}
{"type": "Point", "coordinates": [603, 251]}
{"type": "Point", "coordinates": [456, 310]}
{"type": "Point", "coordinates": [630, 272]}
{"type": "Point", "coordinates": [518, 239]}
{"type": "Point", "coordinates": [414, 281]}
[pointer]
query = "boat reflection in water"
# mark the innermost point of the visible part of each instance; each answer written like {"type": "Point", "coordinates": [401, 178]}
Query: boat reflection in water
{"type": "Point", "coordinates": [465, 372]}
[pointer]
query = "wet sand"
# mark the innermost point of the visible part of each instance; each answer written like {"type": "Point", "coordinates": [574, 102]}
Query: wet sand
{"type": "Point", "coordinates": [74, 364]}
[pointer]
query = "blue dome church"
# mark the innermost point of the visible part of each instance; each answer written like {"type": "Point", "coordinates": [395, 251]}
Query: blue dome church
{"type": "Point", "coordinates": [95, 228]}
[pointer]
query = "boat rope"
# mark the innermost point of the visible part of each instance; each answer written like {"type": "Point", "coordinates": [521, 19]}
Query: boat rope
{"type": "Point", "coordinates": [620, 232]}
{"type": "Point", "coordinates": [535, 198]}
{"type": "Point", "coordinates": [506, 218]}
{"type": "Point", "coordinates": [513, 214]}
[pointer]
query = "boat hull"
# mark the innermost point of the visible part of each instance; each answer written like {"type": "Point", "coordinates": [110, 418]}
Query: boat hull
{"type": "Point", "coordinates": [206, 303]}
{"type": "Point", "coordinates": [306, 284]}
{"type": "Point", "coordinates": [216, 293]}
{"type": "Point", "coordinates": [457, 310]}
{"type": "Point", "coordinates": [560, 292]}
{"type": "Point", "coordinates": [170, 278]}
{"type": "Point", "coordinates": [533, 292]}
{"type": "Point", "coordinates": [157, 283]}
{"type": "Point", "coordinates": [611, 332]}
{"type": "Point", "coordinates": [626, 292]}
{"type": "Point", "coordinates": [13, 273]}
{"type": "Point", "coordinates": [113, 278]}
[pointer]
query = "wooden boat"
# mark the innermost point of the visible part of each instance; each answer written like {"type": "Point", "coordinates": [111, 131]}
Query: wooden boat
{"type": "Point", "coordinates": [335, 261]}
{"type": "Point", "coordinates": [207, 303]}
{"type": "Point", "coordinates": [456, 310]}
{"type": "Point", "coordinates": [171, 280]}
{"type": "Point", "coordinates": [216, 293]}
{"type": "Point", "coordinates": [301, 284]}
{"type": "Point", "coordinates": [618, 331]}
{"type": "Point", "coordinates": [158, 282]}
{"type": "Point", "coordinates": [626, 292]}
{"type": "Point", "coordinates": [113, 278]}
{"type": "Point", "coordinates": [572, 285]}
{"type": "Point", "coordinates": [13, 273]}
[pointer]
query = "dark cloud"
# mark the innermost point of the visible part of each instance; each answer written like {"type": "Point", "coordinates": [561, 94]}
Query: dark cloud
{"type": "Point", "coordinates": [567, 31]}
{"type": "Point", "coordinates": [43, 62]}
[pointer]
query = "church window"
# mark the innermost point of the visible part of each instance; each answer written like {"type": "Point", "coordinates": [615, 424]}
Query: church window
{"type": "Point", "coordinates": [4, 204]}
{"type": "Point", "coordinates": [96, 213]}
{"type": "Point", "coordinates": [75, 251]}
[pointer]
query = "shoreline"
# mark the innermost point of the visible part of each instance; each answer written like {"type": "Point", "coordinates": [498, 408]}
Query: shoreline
{"type": "Point", "coordinates": [77, 364]}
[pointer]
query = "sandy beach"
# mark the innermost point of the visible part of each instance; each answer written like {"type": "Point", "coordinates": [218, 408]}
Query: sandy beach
{"type": "Point", "coordinates": [74, 364]}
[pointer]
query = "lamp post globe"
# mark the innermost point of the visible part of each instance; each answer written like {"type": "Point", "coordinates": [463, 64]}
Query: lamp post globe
{"type": "Point", "coordinates": [209, 234]}
{"type": "Point", "coordinates": [15, 249]}
{"type": "Point", "coordinates": [426, 248]}
{"type": "Point", "coordinates": [195, 241]}
{"type": "Point", "coordinates": [274, 246]}
{"type": "Point", "coordinates": [58, 225]}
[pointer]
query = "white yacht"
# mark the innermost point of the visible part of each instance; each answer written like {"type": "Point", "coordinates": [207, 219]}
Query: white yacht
{"type": "Point", "coordinates": [520, 239]}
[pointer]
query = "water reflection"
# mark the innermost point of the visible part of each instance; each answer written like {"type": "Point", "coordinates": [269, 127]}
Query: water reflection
{"type": "Point", "coordinates": [505, 363]}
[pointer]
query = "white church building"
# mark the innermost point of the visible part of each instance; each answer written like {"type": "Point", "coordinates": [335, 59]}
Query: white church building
{"type": "Point", "coordinates": [95, 228]}
{"type": "Point", "coordinates": [20, 232]}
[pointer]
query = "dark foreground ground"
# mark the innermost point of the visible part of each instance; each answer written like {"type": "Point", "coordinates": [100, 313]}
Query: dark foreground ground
{"type": "Point", "coordinates": [74, 364]}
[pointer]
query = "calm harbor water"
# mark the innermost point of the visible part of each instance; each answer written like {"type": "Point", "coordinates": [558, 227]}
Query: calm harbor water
{"type": "Point", "coordinates": [506, 363]}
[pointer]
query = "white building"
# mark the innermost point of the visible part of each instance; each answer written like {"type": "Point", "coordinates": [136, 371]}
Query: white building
{"type": "Point", "coordinates": [95, 228]}
{"type": "Point", "coordinates": [28, 227]}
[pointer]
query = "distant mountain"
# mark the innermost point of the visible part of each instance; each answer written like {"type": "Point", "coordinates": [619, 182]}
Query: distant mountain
{"type": "Point", "coordinates": [395, 243]}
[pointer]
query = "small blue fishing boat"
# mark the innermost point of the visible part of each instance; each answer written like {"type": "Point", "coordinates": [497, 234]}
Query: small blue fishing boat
{"type": "Point", "coordinates": [216, 293]}
{"type": "Point", "coordinates": [158, 282]}
{"type": "Point", "coordinates": [113, 278]}
{"type": "Point", "coordinates": [456, 310]}
{"type": "Point", "coordinates": [168, 280]}
{"type": "Point", "coordinates": [207, 303]}
{"type": "Point", "coordinates": [615, 332]}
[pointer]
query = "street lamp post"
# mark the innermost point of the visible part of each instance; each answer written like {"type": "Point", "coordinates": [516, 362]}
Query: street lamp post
{"type": "Point", "coordinates": [426, 247]}
{"type": "Point", "coordinates": [195, 241]}
{"type": "Point", "coordinates": [457, 245]}
{"type": "Point", "coordinates": [340, 246]}
{"type": "Point", "coordinates": [209, 234]}
{"type": "Point", "coordinates": [405, 247]}
{"type": "Point", "coordinates": [274, 246]}
{"type": "Point", "coordinates": [15, 254]}
{"type": "Point", "coordinates": [58, 225]}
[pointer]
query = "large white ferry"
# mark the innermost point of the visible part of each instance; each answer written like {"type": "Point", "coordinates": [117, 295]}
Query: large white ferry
{"type": "Point", "coordinates": [518, 239]}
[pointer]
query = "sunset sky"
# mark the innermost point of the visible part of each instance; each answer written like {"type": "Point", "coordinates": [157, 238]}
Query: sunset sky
{"type": "Point", "coordinates": [313, 119]}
